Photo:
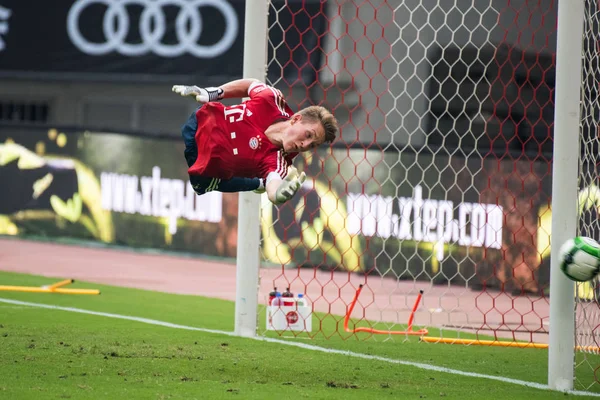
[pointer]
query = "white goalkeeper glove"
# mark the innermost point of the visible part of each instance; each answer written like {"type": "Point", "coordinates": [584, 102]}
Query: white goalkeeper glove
{"type": "Point", "coordinates": [292, 173]}
{"type": "Point", "coordinates": [202, 95]}
{"type": "Point", "coordinates": [289, 186]}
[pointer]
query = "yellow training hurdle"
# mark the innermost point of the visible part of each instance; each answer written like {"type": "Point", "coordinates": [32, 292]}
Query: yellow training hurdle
{"type": "Point", "coordinates": [54, 288]}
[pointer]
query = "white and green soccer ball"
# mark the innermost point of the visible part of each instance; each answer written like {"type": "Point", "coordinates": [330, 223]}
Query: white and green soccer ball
{"type": "Point", "coordinates": [580, 258]}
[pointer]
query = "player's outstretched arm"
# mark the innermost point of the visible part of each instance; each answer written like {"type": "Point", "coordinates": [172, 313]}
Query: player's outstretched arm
{"type": "Point", "coordinates": [279, 191]}
{"type": "Point", "coordinates": [230, 90]}
{"type": "Point", "coordinates": [237, 89]}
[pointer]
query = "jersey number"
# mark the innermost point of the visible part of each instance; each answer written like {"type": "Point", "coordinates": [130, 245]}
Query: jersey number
{"type": "Point", "coordinates": [235, 113]}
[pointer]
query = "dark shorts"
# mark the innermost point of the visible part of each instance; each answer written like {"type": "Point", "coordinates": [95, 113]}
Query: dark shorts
{"type": "Point", "coordinates": [188, 132]}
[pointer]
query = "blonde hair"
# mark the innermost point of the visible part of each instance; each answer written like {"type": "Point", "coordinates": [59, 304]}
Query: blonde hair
{"type": "Point", "coordinates": [326, 118]}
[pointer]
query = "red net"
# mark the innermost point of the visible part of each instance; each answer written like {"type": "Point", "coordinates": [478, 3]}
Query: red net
{"type": "Point", "coordinates": [441, 180]}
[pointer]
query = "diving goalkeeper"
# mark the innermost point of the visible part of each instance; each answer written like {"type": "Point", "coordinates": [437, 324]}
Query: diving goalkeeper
{"type": "Point", "coordinates": [250, 146]}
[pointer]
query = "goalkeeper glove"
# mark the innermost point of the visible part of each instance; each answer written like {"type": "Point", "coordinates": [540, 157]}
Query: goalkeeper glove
{"type": "Point", "coordinates": [202, 95]}
{"type": "Point", "coordinates": [292, 173]}
{"type": "Point", "coordinates": [288, 188]}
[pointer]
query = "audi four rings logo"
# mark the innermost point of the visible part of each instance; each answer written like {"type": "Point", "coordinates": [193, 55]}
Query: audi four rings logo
{"type": "Point", "coordinates": [188, 28]}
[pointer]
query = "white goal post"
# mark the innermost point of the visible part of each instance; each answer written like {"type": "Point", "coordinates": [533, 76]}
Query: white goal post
{"type": "Point", "coordinates": [561, 352]}
{"type": "Point", "coordinates": [248, 238]}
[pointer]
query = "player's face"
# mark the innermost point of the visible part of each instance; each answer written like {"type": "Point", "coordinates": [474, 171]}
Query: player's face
{"type": "Point", "coordinates": [303, 135]}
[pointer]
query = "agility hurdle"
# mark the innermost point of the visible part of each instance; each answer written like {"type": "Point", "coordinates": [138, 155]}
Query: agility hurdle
{"type": "Point", "coordinates": [54, 288]}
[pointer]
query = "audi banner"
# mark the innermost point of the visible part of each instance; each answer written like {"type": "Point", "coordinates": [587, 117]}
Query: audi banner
{"type": "Point", "coordinates": [143, 38]}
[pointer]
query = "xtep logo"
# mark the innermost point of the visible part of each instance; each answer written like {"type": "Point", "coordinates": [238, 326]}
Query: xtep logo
{"type": "Point", "coordinates": [426, 220]}
{"type": "Point", "coordinates": [159, 197]}
{"type": "Point", "coordinates": [4, 16]}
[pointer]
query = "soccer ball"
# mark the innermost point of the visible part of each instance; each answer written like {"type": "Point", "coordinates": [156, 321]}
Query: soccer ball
{"type": "Point", "coordinates": [580, 258]}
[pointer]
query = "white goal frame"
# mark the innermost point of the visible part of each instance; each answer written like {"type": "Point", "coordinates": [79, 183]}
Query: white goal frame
{"type": "Point", "coordinates": [561, 351]}
{"type": "Point", "coordinates": [248, 235]}
{"type": "Point", "coordinates": [564, 187]}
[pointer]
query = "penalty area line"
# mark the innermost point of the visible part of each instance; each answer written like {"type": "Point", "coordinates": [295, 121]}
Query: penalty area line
{"type": "Point", "coordinates": [427, 367]}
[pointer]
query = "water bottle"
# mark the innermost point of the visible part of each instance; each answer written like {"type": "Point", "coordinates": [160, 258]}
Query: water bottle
{"type": "Point", "coordinates": [289, 297]}
{"type": "Point", "coordinates": [301, 301]}
{"type": "Point", "coordinates": [276, 317]}
{"type": "Point", "coordinates": [278, 300]}
{"type": "Point", "coordinates": [272, 295]}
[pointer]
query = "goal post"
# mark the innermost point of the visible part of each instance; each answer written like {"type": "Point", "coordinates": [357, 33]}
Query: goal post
{"type": "Point", "coordinates": [561, 352]}
{"type": "Point", "coordinates": [248, 235]}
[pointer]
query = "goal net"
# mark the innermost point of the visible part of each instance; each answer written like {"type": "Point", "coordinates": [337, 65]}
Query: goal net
{"type": "Point", "coordinates": [440, 183]}
{"type": "Point", "coordinates": [587, 317]}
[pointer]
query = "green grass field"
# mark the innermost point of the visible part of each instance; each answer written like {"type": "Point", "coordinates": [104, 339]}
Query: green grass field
{"type": "Point", "coordinates": [58, 354]}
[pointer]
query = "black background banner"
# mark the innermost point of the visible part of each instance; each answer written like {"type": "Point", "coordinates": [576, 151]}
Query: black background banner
{"type": "Point", "coordinates": [120, 189]}
{"type": "Point", "coordinates": [353, 217]}
{"type": "Point", "coordinates": [134, 191]}
{"type": "Point", "coordinates": [40, 40]}
{"type": "Point", "coordinates": [67, 38]}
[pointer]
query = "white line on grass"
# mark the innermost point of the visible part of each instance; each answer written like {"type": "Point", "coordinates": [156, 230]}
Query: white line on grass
{"type": "Point", "coordinates": [427, 367]}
